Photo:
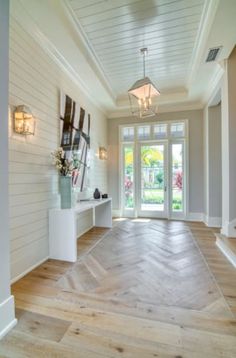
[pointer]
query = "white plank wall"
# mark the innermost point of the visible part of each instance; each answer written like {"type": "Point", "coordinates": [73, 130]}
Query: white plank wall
{"type": "Point", "coordinates": [36, 81]}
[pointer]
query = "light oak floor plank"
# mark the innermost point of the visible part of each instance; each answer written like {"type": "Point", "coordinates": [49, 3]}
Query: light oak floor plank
{"type": "Point", "coordinates": [145, 288]}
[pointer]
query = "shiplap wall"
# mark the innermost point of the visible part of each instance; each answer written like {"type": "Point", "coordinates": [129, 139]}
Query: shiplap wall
{"type": "Point", "coordinates": [36, 81]}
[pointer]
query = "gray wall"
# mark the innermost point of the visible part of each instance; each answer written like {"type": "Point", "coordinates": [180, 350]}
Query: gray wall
{"type": "Point", "coordinates": [196, 167]}
{"type": "Point", "coordinates": [215, 174]}
{"type": "Point", "coordinates": [232, 134]}
{"type": "Point", "coordinates": [228, 128]}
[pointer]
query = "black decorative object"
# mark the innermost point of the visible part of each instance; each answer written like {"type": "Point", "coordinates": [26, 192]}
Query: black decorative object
{"type": "Point", "coordinates": [97, 194]}
{"type": "Point", "coordinates": [104, 196]}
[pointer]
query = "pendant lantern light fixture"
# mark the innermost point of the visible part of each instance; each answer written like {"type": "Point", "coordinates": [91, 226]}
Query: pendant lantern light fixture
{"type": "Point", "coordinates": [143, 93]}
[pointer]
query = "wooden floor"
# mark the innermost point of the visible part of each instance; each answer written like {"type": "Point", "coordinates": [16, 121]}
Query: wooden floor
{"type": "Point", "coordinates": [146, 288]}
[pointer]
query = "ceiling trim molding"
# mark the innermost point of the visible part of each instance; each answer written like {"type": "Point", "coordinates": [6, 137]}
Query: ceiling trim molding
{"type": "Point", "coordinates": [180, 95]}
{"type": "Point", "coordinates": [32, 28]}
{"type": "Point", "coordinates": [98, 68]}
{"type": "Point", "coordinates": [214, 84]}
{"type": "Point", "coordinates": [180, 107]}
{"type": "Point", "coordinates": [65, 66]}
{"type": "Point", "coordinates": [208, 15]}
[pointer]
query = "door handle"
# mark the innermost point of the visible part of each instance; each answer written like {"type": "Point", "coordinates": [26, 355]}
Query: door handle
{"type": "Point", "coordinates": [165, 188]}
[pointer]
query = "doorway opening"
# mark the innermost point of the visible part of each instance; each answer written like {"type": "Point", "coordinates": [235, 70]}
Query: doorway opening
{"type": "Point", "coordinates": [153, 180]}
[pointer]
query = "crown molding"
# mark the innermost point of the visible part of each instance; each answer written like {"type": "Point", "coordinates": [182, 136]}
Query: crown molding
{"type": "Point", "coordinates": [208, 15]}
{"type": "Point", "coordinates": [65, 66]}
{"type": "Point", "coordinates": [95, 62]}
{"type": "Point", "coordinates": [174, 96]}
{"type": "Point", "coordinates": [167, 108]}
{"type": "Point", "coordinates": [19, 12]}
{"type": "Point", "coordinates": [214, 84]}
{"type": "Point", "coordinates": [176, 100]}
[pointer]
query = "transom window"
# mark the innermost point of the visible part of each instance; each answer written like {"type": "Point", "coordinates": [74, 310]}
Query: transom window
{"type": "Point", "coordinates": [160, 131]}
{"type": "Point", "coordinates": [177, 130]}
{"type": "Point", "coordinates": [153, 131]}
{"type": "Point", "coordinates": [128, 134]}
{"type": "Point", "coordinates": [144, 132]}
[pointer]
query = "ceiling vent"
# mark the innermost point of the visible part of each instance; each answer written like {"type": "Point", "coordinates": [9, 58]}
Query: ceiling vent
{"type": "Point", "coordinates": [213, 53]}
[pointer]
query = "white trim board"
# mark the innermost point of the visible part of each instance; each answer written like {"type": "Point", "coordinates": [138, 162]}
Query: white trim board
{"type": "Point", "coordinates": [22, 12]}
{"type": "Point", "coordinates": [194, 217]}
{"type": "Point", "coordinates": [116, 213]}
{"type": "Point", "coordinates": [7, 314]}
{"type": "Point", "coordinates": [225, 249]}
{"type": "Point", "coordinates": [198, 217]}
{"type": "Point", "coordinates": [96, 64]}
{"type": "Point", "coordinates": [229, 228]}
{"type": "Point", "coordinates": [208, 15]}
{"type": "Point", "coordinates": [211, 221]}
{"type": "Point", "coordinates": [17, 278]}
{"type": "Point", "coordinates": [167, 142]}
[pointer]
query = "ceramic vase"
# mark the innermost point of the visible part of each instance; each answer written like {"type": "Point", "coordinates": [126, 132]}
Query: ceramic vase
{"type": "Point", "coordinates": [65, 184]}
{"type": "Point", "coordinates": [97, 194]}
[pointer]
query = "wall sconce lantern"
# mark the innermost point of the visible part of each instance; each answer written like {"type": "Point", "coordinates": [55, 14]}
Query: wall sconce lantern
{"type": "Point", "coordinates": [102, 153]}
{"type": "Point", "coordinates": [24, 122]}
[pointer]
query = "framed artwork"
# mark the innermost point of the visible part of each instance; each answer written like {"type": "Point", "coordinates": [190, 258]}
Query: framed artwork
{"type": "Point", "coordinates": [75, 137]}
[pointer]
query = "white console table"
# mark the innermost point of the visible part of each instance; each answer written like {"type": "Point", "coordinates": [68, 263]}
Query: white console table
{"type": "Point", "coordinates": [66, 225]}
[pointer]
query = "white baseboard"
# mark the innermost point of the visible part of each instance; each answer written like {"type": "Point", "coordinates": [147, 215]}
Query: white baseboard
{"type": "Point", "coordinates": [18, 277]}
{"type": "Point", "coordinates": [7, 314]}
{"type": "Point", "coordinates": [212, 221]}
{"type": "Point", "coordinates": [229, 228]}
{"type": "Point", "coordinates": [189, 217]}
{"type": "Point", "coordinates": [194, 217]}
{"type": "Point", "coordinates": [116, 213]}
{"type": "Point", "coordinates": [226, 251]}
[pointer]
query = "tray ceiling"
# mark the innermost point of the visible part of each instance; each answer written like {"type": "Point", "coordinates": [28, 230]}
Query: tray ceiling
{"type": "Point", "coordinates": [97, 44]}
{"type": "Point", "coordinates": [116, 30]}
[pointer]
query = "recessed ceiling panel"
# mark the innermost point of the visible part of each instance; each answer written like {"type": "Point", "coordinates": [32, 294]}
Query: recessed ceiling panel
{"type": "Point", "coordinates": [117, 29]}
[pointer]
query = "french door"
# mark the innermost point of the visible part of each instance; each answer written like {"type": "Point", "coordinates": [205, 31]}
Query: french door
{"type": "Point", "coordinates": [153, 171]}
{"type": "Point", "coordinates": [152, 193]}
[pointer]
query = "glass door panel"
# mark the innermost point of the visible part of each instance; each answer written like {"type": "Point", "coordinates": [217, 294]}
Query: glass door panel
{"type": "Point", "coordinates": [177, 194]}
{"type": "Point", "coordinates": [128, 177]}
{"type": "Point", "coordinates": [152, 179]}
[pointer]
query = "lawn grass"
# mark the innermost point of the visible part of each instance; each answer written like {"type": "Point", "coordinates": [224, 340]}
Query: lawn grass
{"type": "Point", "coordinates": [156, 196]}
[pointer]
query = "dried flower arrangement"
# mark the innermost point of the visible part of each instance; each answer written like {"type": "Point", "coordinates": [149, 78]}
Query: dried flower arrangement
{"type": "Point", "coordinates": [65, 166]}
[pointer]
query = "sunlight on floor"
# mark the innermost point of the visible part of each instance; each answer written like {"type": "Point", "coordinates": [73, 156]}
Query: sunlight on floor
{"type": "Point", "coordinates": [141, 220]}
{"type": "Point", "coordinates": [120, 219]}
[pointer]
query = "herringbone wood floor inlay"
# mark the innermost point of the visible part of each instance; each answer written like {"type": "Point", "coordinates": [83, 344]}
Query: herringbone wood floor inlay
{"type": "Point", "coordinates": [140, 290]}
{"type": "Point", "coordinates": [155, 262]}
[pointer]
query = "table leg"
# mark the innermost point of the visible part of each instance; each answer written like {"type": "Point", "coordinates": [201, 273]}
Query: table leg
{"type": "Point", "coordinates": [103, 215]}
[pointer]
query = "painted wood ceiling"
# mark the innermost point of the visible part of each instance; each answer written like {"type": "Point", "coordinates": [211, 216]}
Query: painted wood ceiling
{"type": "Point", "coordinates": [117, 29]}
